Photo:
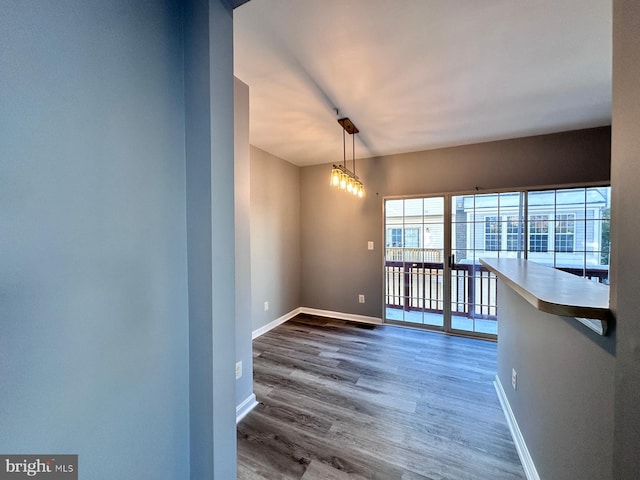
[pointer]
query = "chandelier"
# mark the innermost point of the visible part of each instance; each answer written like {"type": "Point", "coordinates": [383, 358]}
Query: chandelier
{"type": "Point", "coordinates": [341, 176]}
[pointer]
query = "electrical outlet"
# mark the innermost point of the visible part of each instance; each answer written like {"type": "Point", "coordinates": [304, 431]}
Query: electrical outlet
{"type": "Point", "coordinates": [361, 298]}
{"type": "Point", "coordinates": [370, 245]}
{"type": "Point", "coordinates": [238, 369]}
{"type": "Point", "coordinates": [514, 379]}
{"type": "Point", "coordinates": [266, 306]}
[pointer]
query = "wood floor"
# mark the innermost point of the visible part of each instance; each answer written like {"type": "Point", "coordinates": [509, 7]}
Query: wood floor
{"type": "Point", "coordinates": [340, 400]}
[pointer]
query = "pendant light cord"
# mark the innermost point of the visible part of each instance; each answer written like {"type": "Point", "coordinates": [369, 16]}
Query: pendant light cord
{"type": "Point", "coordinates": [344, 151]}
{"type": "Point", "coordinates": [353, 144]}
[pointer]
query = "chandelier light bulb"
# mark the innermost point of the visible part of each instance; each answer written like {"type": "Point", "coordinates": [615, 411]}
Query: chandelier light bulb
{"type": "Point", "coordinates": [335, 177]}
{"type": "Point", "coordinates": [343, 181]}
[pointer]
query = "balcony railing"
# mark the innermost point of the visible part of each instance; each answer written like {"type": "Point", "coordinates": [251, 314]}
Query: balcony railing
{"type": "Point", "coordinates": [397, 254]}
{"type": "Point", "coordinates": [419, 286]}
{"type": "Point", "coordinates": [415, 280]}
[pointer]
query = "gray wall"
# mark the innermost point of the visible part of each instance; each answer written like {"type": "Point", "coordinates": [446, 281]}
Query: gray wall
{"type": "Point", "coordinates": [244, 325]}
{"type": "Point", "coordinates": [275, 237]}
{"type": "Point", "coordinates": [565, 396]}
{"type": "Point", "coordinates": [118, 339]}
{"type": "Point", "coordinates": [208, 73]}
{"type": "Point", "coordinates": [94, 340]}
{"type": "Point", "coordinates": [625, 231]}
{"type": "Point", "coordinates": [336, 265]}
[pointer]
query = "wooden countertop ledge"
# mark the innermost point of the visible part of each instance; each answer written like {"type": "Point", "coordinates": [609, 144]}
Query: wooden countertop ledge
{"type": "Point", "coordinates": [554, 291]}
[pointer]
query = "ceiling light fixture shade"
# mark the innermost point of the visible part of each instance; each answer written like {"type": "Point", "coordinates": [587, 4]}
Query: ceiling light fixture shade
{"type": "Point", "coordinates": [341, 176]}
{"type": "Point", "coordinates": [335, 177]}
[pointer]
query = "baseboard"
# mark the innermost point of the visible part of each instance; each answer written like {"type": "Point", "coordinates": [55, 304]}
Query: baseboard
{"type": "Point", "coordinates": [523, 452]}
{"type": "Point", "coordinates": [352, 317]}
{"type": "Point", "coordinates": [245, 407]}
{"type": "Point", "coordinates": [278, 321]}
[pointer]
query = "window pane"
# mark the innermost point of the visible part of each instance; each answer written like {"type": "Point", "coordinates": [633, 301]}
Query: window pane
{"type": "Point", "coordinates": [538, 233]}
{"type": "Point", "coordinates": [492, 233]}
{"type": "Point", "coordinates": [515, 233]}
{"type": "Point", "coordinates": [413, 210]}
{"type": "Point", "coordinates": [565, 232]}
{"type": "Point", "coordinates": [394, 208]}
{"type": "Point", "coordinates": [394, 237]}
{"type": "Point", "coordinates": [412, 237]}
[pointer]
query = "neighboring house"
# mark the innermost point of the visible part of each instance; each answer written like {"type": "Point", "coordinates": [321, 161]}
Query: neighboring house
{"type": "Point", "coordinates": [563, 228]}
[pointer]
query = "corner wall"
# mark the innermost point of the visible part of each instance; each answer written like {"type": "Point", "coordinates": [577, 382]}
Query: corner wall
{"type": "Point", "coordinates": [625, 231]}
{"type": "Point", "coordinates": [564, 401]}
{"type": "Point", "coordinates": [336, 265]}
{"type": "Point", "coordinates": [275, 237]}
{"type": "Point", "coordinates": [208, 92]}
{"type": "Point", "coordinates": [242, 175]}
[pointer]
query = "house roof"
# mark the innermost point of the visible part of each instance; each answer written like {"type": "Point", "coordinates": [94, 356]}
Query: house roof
{"type": "Point", "coordinates": [419, 74]}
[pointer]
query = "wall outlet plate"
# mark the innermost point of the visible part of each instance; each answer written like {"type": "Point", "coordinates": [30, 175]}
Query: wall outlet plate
{"type": "Point", "coordinates": [266, 306]}
{"type": "Point", "coordinates": [514, 379]}
{"type": "Point", "coordinates": [361, 298]}
{"type": "Point", "coordinates": [370, 245]}
{"type": "Point", "coordinates": [238, 369]}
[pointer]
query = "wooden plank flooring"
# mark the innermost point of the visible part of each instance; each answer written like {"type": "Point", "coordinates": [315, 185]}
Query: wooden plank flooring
{"type": "Point", "coordinates": [345, 401]}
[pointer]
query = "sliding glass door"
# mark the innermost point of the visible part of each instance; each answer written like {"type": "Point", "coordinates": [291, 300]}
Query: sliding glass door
{"type": "Point", "coordinates": [433, 276]}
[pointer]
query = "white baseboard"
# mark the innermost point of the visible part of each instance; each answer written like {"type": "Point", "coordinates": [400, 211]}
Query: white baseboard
{"type": "Point", "coordinates": [271, 325]}
{"type": "Point", "coordinates": [245, 407]}
{"type": "Point", "coordinates": [352, 317]}
{"type": "Point", "coordinates": [523, 452]}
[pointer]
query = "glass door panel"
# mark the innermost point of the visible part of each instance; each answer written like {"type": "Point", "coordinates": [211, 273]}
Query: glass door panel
{"type": "Point", "coordinates": [568, 229]}
{"type": "Point", "coordinates": [482, 226]}
{"type": "Point", "coordinates": [414, 268]}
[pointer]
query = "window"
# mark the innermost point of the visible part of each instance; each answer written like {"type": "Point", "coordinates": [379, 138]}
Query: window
{"type": "Point", "coordinates": [515, 234]}
{"type": "Point", "coordinates": [394, 237]}
{"type": "Point", "coordinates": [492, 233]}
{"type": "Point", "coordinates": [412, 237]}
{"type": "Point", "coordinates": [539, 233]}
{"type": "Point", "coordinates": [565, 232]}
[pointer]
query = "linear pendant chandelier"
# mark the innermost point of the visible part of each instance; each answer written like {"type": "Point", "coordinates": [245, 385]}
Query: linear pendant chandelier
{"type": "Point", "coordinates": [341, 176]}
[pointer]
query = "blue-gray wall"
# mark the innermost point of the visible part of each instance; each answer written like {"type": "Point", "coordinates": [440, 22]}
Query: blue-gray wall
{"type": "Point", "coordinates": [94, 355]}
{"type": "Point", "coordinates": [117, 338]}
{"type": "Point", "coordinates": [244, 350]}
{"type": "Point", "coordinates": [209, 107]}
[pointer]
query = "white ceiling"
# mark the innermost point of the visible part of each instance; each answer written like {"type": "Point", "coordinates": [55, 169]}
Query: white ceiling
{"type": "Point", "coordinates": [419, 74]}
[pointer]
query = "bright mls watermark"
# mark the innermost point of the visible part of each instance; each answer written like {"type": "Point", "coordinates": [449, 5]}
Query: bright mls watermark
{"type": "Point", "coordinates": [50, 467]}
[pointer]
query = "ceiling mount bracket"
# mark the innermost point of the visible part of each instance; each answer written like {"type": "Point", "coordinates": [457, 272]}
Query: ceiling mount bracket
{"type": "Point", "coordinates": [348, 125]}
